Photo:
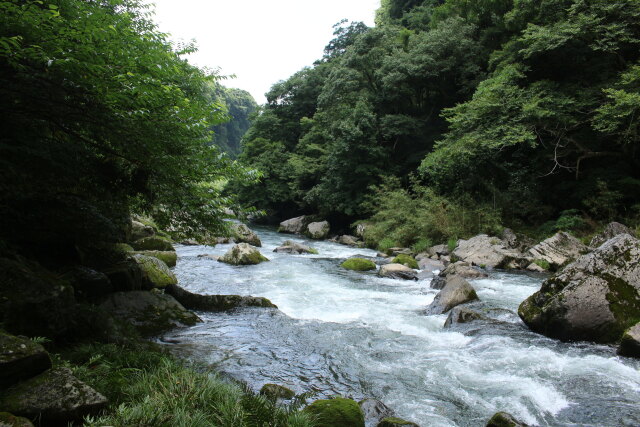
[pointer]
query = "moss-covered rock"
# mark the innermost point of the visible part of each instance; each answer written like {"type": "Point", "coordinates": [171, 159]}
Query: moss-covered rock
{"type": "Point", "coordinates": [243, 254]}
{"type": "Point", "coordinates": [358, 264]}
{"type": "Point", "coordinates": [275, 391]}
{"type": "Point", "coordinates": [153, 243]}
{"type": "Point", "coordinates": [502, 419]}
{"type": "Point", "coordinates": [140, 230]}
{"type": "Point", "coordinates": [243, 234]}
{"type": "Point", "coordinates": [395, 422]}
{"type": "Point", "coordinates": [168, 257]}
{"type": "Point", "coordinates": [10, 420]}
{"type": "Point", "coordinates": [53, 397]}
{"type": "Point", "coordinates": [630, 343]}
{"type": "Point", "coordinates": [337, 412]}
{"type": "Point", "coordinates": [155, 272]}
{"type": "Point", "coordinates": [215, 302]}
{"type": "Point", "coordinates": [596, 298]}
{"type": "Point", "coordinates": [20, 358]}
{"type": "Point", "coordinates": [407, 260]}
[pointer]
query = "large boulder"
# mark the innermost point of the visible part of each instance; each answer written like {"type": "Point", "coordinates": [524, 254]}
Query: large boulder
{"type": "Point", "coordinates": [155, 272]}
{"type": "Point", "coordinates": [630, 343]}
{"type": "Point", "coordinates": [374, 411]}
{"type": "Point", "coordinates": [53, 397]}
{"type": "Point", "coordinates": [336, 412]}
{"type": "Point", "coordinates": [397, 271]}
{"type": "Point", "coordinates": [502, 419]}
{"type": "Point", "coordinates": [291, 247]}
{"type": "Point", "coordinates": [596, 298]}
{"type": "Point", "coordinates": [459, 268]}
{"type": "Point", "coordinates": [243, 234]}
{"type": "Point", "coordinates": [294, 225]}
{"type": "Point", "coordinates": [168, 257]}
{"type": "Point", "coordinates": [456, 291]}
{"type": "Point", "coordinates": [215, 302]}
{"type": "Point", "coordinates": [149, 312]}
{"type": "Point", "coordinates": [243, 254]}
{"type": "Point", "coordinates": [318, 230]}
{"type": "Point", "coordinates": [153, 243]}
{"type": "Point", "coordinates": [140, 230]}
{"type": "Point", "coordinates": [557, 251]}
{"type": "Point", "coordinates": [20, 358]}
{"type": "Point", "coordinates": [610, 231]}
{"type": "Point", "coordinates": [486, 251]}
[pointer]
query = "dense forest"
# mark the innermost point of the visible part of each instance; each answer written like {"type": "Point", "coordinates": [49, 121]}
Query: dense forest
{"type": "Point", "coordinates": [240, 106]}
{"type": "Point", "coordinates": [456, 117]}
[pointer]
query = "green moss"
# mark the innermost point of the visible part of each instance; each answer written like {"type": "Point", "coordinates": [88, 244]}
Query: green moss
{"type": "Point", "coordinates": [122, 248]}
{"type": "Point", "coordinates": [153, 243]}
{"type": "Point", "coordinates": [407, 260]}
{"type": "Point", "coordinates": [253, 258]}
{"type": "Point", "coordinates": [395, 422]}
{"type": "Point", "coordinates": [275, 391]}
{"type": "Point", "coordinates": [155, 271]}
{"type": "Point", "coordinates": [313, 251]}
{"type": "Point", "coordinates": [168, 257]}
{"type": "Point", "coordinates": [542, 263]}
{"type": "Point", "coordinates": [624, 303]}
{"type": "Point", "coordinates": [359, 264]}
{"type": "Point", "coordinates": [337, 412]}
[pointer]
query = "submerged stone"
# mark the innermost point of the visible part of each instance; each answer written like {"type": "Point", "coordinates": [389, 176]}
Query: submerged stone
{"type": "Point", "coordinates": [461, 315]}
{"type": "Point", "coordinates": [337, 412]}
{"type": "Point", "coordinates": [374, 411]}
{"type": "Point", "coordinates": [398, 271]}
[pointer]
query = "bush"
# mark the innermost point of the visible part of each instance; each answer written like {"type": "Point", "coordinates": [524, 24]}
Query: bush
{"type": "Point", "coordinates": [421, 245]}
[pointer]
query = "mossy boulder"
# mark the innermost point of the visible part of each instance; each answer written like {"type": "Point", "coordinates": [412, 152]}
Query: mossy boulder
{"type": "Point", "coordinates": [337, 412]}
{"type": "Point", "coordinates": [54, 397]}
{"type": "Point", "coordinates": [275, 391]}
{"type": "Point", "coordinates": [153, 243]}
{"type": "Point", "coordinates": [243, 254]}
{"type": "Point", "coordinates": [20, 358]}
{"type": "Point", "coordinates": [502, 419]}
{"type": "Point", "coordinates": [630, 343]}
{"type": "Point", "coordinates": [596, 298]}
{"type": "Point", "coordinates": [149, 312]}
{"type": "Point", "coordinates": [396, 422]}
{"type": "Point", "coordinates": [10, 420]}
{"type": "Point", "coordinates": [215, 302]}
{"type": "Point", "coordinates": [155, 272]}
{"type": "Point", "coordinates": [243, 234]}
{"type": "Point", "coordinates": [407, 260]}
{"type": "Point", "coordinates": [456, 291]}
{"type": "Point", "coordinates": [359, 264]}
{"type": "Point", "coordinates": [140, 230]}
{"type": "Point", "coordinates": [170, 258]}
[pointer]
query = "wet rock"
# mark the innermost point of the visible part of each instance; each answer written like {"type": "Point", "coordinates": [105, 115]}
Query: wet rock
{"type": "Point", "coordinates": [596, 298]}
{"type": "Point", "coordinates": [558, 250]}
{"type": "Point", "coordinates": [243, 234]}
{"type": "Point", "coordinates": [485, 251]}
{"type": "Point", "coordinates": [153, 243]}
{"type": "Point", "coordinates": [407, 260]}
{"type": "Point", "coordinates": [430, 264]}
{"type": "Point", "coordinates": [610, 231]}
{"type": "Point", "coordinates": [337, 412]}
{"type": "Point", "coordinates": [630, 343]}
{"type": "Point", "coordinates": [275, 392]}
{"type": "Point", "coordinates": [87, 283]}
{"type": "Point", "coordinates": [463, 269]}
{"type": "Point", "coordinates": [349, 240]}
{"type": "Point", "coordinates": [318, 230]}
{"type": "Point", "coordinates": [140, 230]}
{"type": "Point", "coordinates": [291, 247]}
{"type": "Point", "coordinates": [20, 358]}
{"type": "Point", "coordinates": [358, 264]}
{"type": "Point", "coordinates": [168, 257]}
{"type": "Point", "coordinates": [293, 225]}
{"type": "Point", "coordinates": [10, 420]}
{"type": "Point", "coordinates": [502, 419]}
{"type": "Point", "coordinates": [243, 254]}
{"type": "Point", "coordinates": [55, 396]}
{"type": "Point", "coordinates": [461, 315]}
{"type": "Point", "coordinates": [438, 282]}
{"type": "Point", "coordinates": [155, 272]}
{"type": "Point", "coordinates": [398, 271]}
{"type": "Point", "coordinates": [456, 291]}
{"type": "Point", "coordinates": [396, 422]}
{"type": "Point", "coordinates": [215, 302]}
{"type": "Point", "coordinates": [209, 256]}
{"type": "Point", "coordinates": [374, 411]}
{"type": "Point", "coordinates": [149, 312]}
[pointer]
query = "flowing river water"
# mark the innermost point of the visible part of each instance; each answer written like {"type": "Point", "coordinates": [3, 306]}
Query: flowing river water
{"type": "Point", "coordinates": [359, 335]}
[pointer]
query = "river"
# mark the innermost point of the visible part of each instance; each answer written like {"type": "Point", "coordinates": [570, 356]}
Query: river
{"type": "Point", "coordinates": [358, 335]}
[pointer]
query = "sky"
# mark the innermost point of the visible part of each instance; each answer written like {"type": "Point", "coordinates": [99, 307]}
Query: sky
{"type": "Point", "coordinates": [258, 41]}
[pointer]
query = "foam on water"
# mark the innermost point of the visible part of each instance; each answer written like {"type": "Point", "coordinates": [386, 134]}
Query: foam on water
{"type": "Point", "coordinates": [356, 334]}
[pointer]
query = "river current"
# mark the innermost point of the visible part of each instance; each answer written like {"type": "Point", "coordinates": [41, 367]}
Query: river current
{"type": "Point", "coordinates": [359, 335]}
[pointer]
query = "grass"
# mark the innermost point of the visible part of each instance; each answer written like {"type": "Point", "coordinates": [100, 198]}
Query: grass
{"type": "Point", "coordinates": [149, 388]}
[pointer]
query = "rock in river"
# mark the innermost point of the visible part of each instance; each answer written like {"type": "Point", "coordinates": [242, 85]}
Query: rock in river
{"type": "Point", "coordinates": [336, 412]}
{"type": "Point", "coordinates": [318, 230]}
{"type": "Point", "coordinates": [558, 250]}
{"type": "Point", "coordinates": [293, 225]}
{"type": "Point", "coordinates": [630, 343]}
{"type": "Point", "coordinates": [457, 291]}
{"type": "Point", "coordinates": [596, 298]}
{"type": "Point", "coordinates": [243, 254]}
{"type": "Point", "coordinates": [398, 271]}
{"type": "Point", "coordinates": [243, 234]}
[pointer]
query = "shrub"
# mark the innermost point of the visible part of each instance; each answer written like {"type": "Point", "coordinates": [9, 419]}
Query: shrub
{"type": "Point", "coordinates": [421, 245]}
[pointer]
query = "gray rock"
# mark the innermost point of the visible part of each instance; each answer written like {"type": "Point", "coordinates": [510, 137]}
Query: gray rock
{"type": "Point", "coordinates": [374, 411]}
{"type": "Point", "coordinates": [398, 271]}
{"type": "Point", "coordinates": [243, 234]}
{"type": "Point", "coordinates": [291, 247]}
{"type": "Point", "coordinates": [558, 250]}
{"type": "Point", "coordinates": [125, 276]}
{"type": "Point", "coordinates": [55, 396]}
{"type": "Point", "coordinates": [149, 312]}
{"type": "Point", "coordinates": [189, 242]}
{"type": "Point", "coordinates": [348, 240]}
{"type": "Point", "coordinates": [610, 231]}
{"type": "Point", "coordinates": [430, 264]}
{"type": "Point", "coordinates": [400, 251]}
{"type": "Point", "coordinates": [318, 230]}
{"type": "Point", "coordinates": [457, 291]}
{"type": "Point", "coordinates": [215, 302]}
{"type": "Point", "coordinates": [535, 268]}
{"type": "Point", "coordinates": [20, 358]}
{"type": "Point", "coordinates": [438, 282]}
{"type": "Point", "coordinates": [243, 254]}
{"type": "Point", "coordinates": [502, 419]}
{"type": "Point", "coordinates": [630, 343]}
{"type": "Point", "coordinates": [438, 250]}
{"type": "Point", "coordinates": [486, 251]}
{"type": "Point", "coordinates": [463, 269]}
{"type": "Point", "coordinates": [293, 225]}
{"type": "Point", "coordinates": [461, 315]}
{"type": "Point", "coordinates": [595, 298]}
{"type": "Point", "coordinates": [140, 231]}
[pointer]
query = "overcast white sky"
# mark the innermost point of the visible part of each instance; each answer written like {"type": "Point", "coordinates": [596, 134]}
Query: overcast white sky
{"type": "Point", "coordinates": [259, 41]}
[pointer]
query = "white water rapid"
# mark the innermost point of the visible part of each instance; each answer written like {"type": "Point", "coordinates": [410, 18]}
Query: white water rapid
{"type": "Point", "coordinates": [355, 334]}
